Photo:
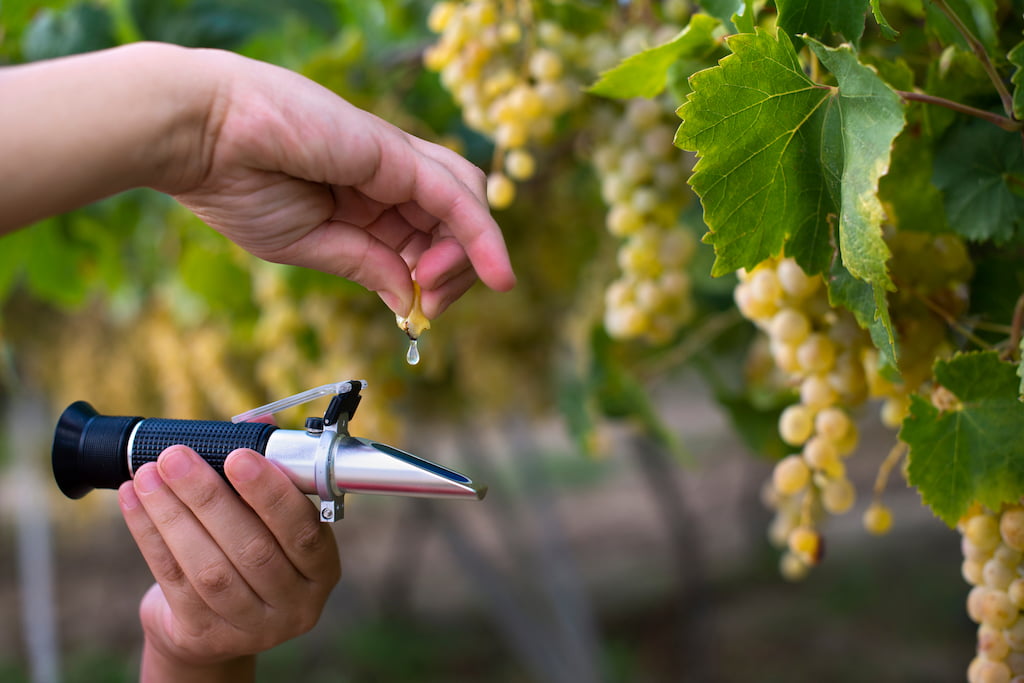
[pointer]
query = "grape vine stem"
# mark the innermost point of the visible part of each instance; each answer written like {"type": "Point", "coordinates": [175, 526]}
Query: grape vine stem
{"type": "Point", "coordinates": [1003, 122]}
{"type": "Point", "coordinates": [695, 342]}
{"type": "Point", "coordinates": [951, 321]}
{"type": "Point", "coordinates": [982, 54]}
{"type": "Point", "coordinates": [885, 469]}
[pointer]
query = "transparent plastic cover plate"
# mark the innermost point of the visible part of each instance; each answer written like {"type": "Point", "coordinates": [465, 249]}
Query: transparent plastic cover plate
{"type": "Point", "coordinates": [297, 400]}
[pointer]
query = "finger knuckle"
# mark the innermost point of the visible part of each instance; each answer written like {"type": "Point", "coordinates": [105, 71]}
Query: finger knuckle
{"type": "Point", "coordinates": [170, 517]}
{"type": "Point", "coordinates": [167, 570]}
{"type": "Point", "coordinates": [204, 498]}
{"type": "Point", "coordinates": [258, 552]}
{"type": "Point", "coordinates": [213, 579]}
{"type": "Point", "coordinates": [309, 537]}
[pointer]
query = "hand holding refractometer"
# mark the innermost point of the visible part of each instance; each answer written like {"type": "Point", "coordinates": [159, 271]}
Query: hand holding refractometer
{"type": "Point", "coordinates": [99, 451]}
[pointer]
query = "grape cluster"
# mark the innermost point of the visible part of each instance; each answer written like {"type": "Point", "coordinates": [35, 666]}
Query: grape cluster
{"type": "Point", "coordinates": [643, 182]}
{"type": "Point", "coordinates": [641, 175]}
{"type": "Point", "coordinates": [829, 360]}
{"type": "Point", "coordinates": [511, 76]}
{"type": "Point", "coordinates": [993, 549]}
{"type": "Point", "coordinates": [833, 365]}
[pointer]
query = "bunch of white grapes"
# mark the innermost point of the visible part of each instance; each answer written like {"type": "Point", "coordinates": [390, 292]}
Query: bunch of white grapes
{"type": "Point", "coordinates": [511, 75]}
{"type": "Point", "coordinates": [829, 360]}
{"type": "Point", "coordinates": [643, 181]}
{"type": "Point", "coordinates": [993, 548]}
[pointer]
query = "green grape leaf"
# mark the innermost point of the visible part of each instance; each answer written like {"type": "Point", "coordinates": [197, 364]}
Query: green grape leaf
{"type": "Point", "coordinates": [979, 168]}
{"type": "Point", "coordinates": [887, 30]}
{"type": "Point", "coordinates": [974, 452]}
{"type": "Point", "coordinates": [1016, 57]}
{"type": "Point", "coordinates": [729, 11]}
{"type": "Point", "coordinates": [755, 122]}
{"type": "Point", "coordinates": [871, 116]}
{"type": "Point", "coordinates": [957, 75]}
{"type": "Point", "coordinates": [978, 16]}
{"type": "Point", "coordinates": [780, 158]}
{"type": "Point", "coordinates": [812, 16]}
{"type": "Point", "coordinates": [858, 297]}
{"type": "Point", "coordinates": [911, 199]}
{"type": "Point", "coordinates": [645, 74]}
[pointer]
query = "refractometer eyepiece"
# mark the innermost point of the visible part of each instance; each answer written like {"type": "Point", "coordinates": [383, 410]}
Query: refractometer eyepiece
{"type": "Point", "coordinates": [89, 450]}
{"type": "Point", "coordinates": [100, 451]}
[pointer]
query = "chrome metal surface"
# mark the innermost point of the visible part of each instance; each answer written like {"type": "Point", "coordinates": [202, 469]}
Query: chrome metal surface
{"type": "Point", "coordinates": [365, 466]}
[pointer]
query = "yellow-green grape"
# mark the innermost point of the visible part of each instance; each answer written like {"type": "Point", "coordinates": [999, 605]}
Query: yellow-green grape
{"type": "Point", "coordinates": [1011, 527]}
{"type": "Point", "coordinates": [792, 567]}
{"type": "Point", "coordinates": [805, 542]}
{"type": "Point", "coordinates": [894, 410]}
{"type": "Point", "coordinates": [501, 191]}
{"type": "Point", "coordinates": [838, 496]}
{"type": "Point", "coordinates": [878, 519]}
{"type": "Point", "coordinates": [790, 326]}
{"type": "Point", "coordinates": [519, 164]}
{"type": "Point", "coordinates": [984, 670]}
{"type": "Point", "coordinates": [791, 475]}
{"type": "Point", "coordinates": [796, 424]}
{"type": "Point", "coordinates": [624, 221]}
{"type": "Point", "coordinates": [983, 531]}
{"type": "Point", "coordinates": [440, 15]}
{"type": "Point", "coordinates": [816, 353]}
{"type": "Point", "coordinates": [821, 454]}
{"type": "Point", "coordinates": [832, 423]}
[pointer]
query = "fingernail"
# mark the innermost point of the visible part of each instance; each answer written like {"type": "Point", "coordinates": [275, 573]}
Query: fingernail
{"type": "Point", "coordinates": [126, 494]}
{"type": "Point", "coordinates": [244, 466]}
{"type": "Point", "coordinates": [175, 463]}
{"type": "Point", "coordinates": [147, 479]}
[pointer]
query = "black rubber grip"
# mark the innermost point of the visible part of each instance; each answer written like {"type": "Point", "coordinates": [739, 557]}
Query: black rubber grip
{"type": "Point", "coordinates": [90, 450]}
{"type": "Point", "coordinates": [212, 440]}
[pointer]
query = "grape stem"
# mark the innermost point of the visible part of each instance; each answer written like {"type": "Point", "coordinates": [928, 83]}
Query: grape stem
{"type": "Point", "coordinates": [982, 54]}
{"type": "Point", "coordinates": [951, 321]}
{"type": "Point", "coordinates": [697, 341]}
{"type": "Point", "coordinates": [807, 505]}
{"type": "Point", "coordinates": [1006, 123]}
{"type": "Point", "coordinates": [885, 469]}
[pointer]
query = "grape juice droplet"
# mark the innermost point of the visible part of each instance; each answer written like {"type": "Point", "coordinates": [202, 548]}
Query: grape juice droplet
{"type": "Point", "coordinates": [412, 356]}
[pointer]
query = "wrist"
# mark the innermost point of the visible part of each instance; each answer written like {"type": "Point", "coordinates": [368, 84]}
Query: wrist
{"type": "Point", "coordinates": [159, 666]}
{"type": "Point", "coordinates": [190, 97]}
{"type": "Point", "coordinates": [88, 126]}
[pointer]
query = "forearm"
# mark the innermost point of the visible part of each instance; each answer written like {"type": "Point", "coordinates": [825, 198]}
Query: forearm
{"type": "Point", "coordinates": [81, 128]}
{"type": "Point", "coordinates": [159, 668]}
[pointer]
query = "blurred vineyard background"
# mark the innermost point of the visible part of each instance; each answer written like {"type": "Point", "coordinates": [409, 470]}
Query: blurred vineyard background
{"type": "Point", "coordinates": [623, 538]}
